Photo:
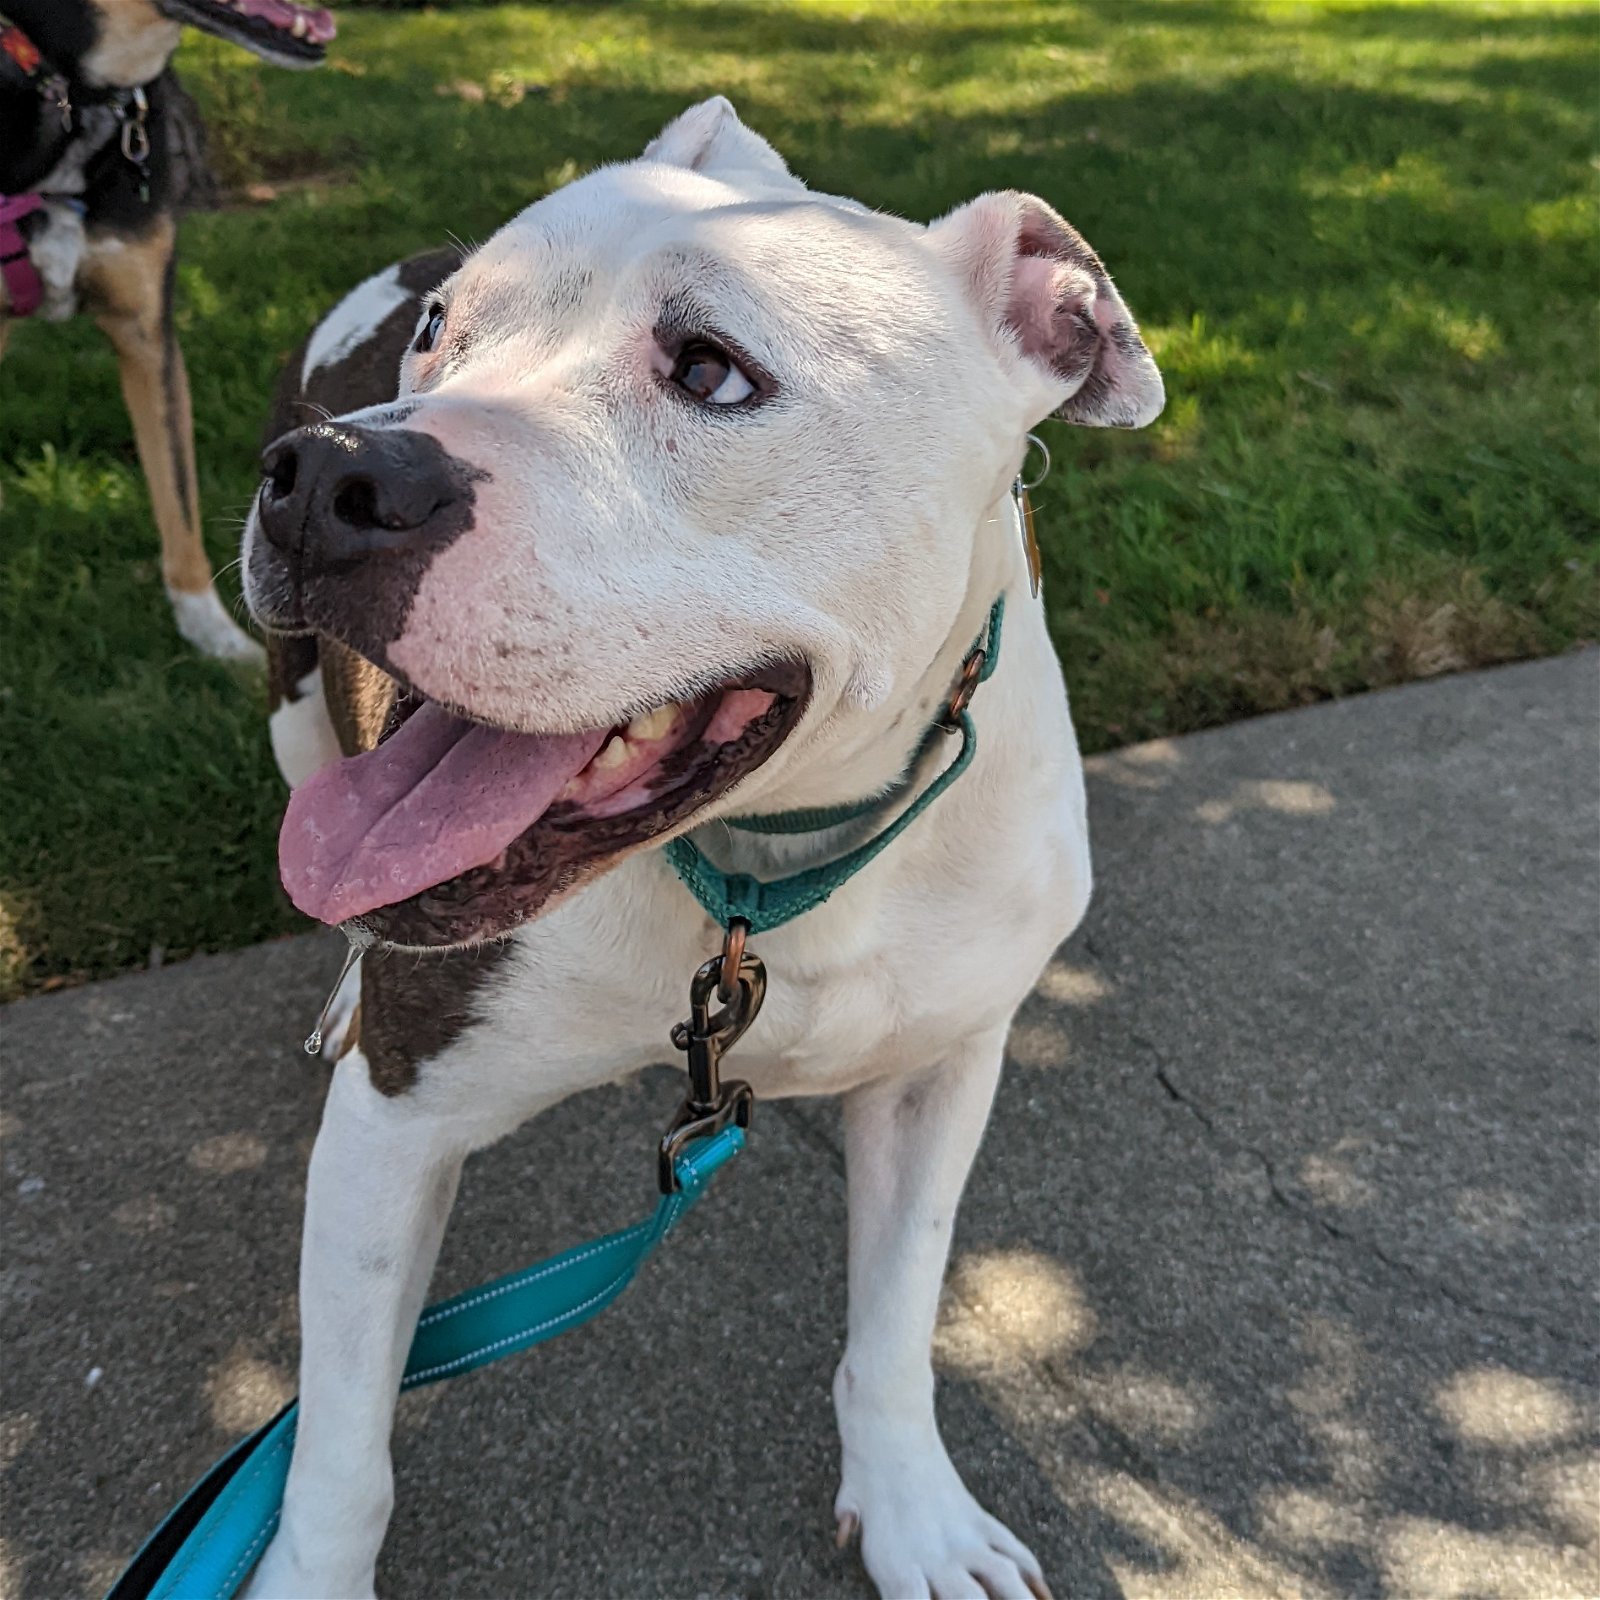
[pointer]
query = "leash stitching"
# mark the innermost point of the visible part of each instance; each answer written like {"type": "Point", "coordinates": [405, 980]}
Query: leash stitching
{"type": "Point", "coordinates": [522, 1280]}
{"type": "Point", "coordinates": [216, 1527]}
{"type": "Point", "coordinates": [618, 1282]}
{"type": "Point", "coordinates": [242, 1566]}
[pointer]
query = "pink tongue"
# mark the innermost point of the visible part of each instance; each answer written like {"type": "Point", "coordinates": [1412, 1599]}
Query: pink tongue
{"type": "Point", "coordinates": [320, 26]}
{"type": "Point", "coordinates": [441, 795]}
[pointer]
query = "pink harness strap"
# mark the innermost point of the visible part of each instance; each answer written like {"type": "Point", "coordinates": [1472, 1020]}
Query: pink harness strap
{"type": "Point", "coordinates": [23, 287]}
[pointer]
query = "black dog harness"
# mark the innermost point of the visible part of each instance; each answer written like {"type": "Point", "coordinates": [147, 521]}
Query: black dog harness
{"type": "Point", "coordinates": [67, 113]}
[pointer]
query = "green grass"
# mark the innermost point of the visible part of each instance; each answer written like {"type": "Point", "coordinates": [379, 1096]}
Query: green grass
{"type": "Point", "coordinates": [1360, 239]}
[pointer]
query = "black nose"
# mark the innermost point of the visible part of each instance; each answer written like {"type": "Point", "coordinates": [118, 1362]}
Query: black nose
{"type": "Point", "coordinates": [335, 494]}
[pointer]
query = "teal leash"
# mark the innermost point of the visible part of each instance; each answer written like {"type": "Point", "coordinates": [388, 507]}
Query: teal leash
{"type": "Point", "coordinates": [208, 1544]}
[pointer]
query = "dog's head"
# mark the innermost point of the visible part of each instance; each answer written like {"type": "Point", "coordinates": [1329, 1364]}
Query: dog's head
{"type": "Point", "coordinates": [126, 42]}
{"type": "Point", "coordinates": [691, 476]}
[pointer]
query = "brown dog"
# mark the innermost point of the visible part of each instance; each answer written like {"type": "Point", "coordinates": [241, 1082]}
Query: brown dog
{"type": "Point", "coordinates": [99, 151]}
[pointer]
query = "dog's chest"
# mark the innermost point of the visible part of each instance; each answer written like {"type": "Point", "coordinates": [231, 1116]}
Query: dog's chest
{"type": "Point", "coordinates": [57, 251]}
{"type": "Point", "coordinates": [94, 128]}
{"type": "Point", "coordinates": [552, 1023]}
{"type": "Point", "coordinates": [823, 1031]}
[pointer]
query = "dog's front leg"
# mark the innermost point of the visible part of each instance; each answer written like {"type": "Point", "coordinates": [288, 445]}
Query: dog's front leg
{"type": "Point", "coordinates": [909, 1142]}
{"type": "Point", "coordinates": [129, 289]}
{"type": "Point", "coordinates": [381, 1184]}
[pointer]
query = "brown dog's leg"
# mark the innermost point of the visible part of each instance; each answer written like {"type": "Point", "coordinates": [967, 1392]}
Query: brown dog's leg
{"type": "Point", "coordinates": [128, 284]}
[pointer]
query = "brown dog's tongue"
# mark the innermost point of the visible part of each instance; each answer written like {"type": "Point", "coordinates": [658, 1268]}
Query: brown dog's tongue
{"type": "Point", "coordinates": [439, 796]}
{"type": "Point", "coordinates": [317, 24]}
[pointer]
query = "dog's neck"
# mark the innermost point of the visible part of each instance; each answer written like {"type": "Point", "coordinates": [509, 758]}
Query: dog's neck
{"type": "Point", "coordinates": [877, 751]}
{"type": "Point", "coordinates": [132, 48]}
{"type": "Point", "coordinates": [110, 46]}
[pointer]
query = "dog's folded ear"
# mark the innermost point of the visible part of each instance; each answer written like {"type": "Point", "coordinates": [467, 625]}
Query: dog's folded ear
{"type": "Point", "coordinates": [710, 138]}
{"type": "Point", "coordinates": [1052, 310]}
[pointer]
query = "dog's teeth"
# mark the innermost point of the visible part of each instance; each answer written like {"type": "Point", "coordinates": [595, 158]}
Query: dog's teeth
{"type": "Point", "coordinates": [299, 28]}
{"type": "Point", "coordinates": [656, 724]}
{"type": "Point", "coordinates": [613, 755]}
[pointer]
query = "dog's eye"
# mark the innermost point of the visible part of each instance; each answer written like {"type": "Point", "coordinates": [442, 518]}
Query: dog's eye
{"type": "Point", "coordinates": [428, 335]}
{"type": "Point", "coordinates": [710, 374]}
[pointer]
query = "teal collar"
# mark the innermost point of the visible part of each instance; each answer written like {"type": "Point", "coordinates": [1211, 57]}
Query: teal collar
{"type": "Point", "coordinates": [730, 897]}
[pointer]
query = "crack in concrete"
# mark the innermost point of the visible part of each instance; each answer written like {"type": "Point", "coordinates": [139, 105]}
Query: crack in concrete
{"type": "Point", "coordinates": [1359, 1243]}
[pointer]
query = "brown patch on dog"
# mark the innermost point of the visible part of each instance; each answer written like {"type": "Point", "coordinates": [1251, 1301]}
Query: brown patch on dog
{"type": "Point", "coordinates": [359, 696]}
{"type": "Point", "coordinates": [413, 1007]}
{"type": "Point", "coordinates": [369, 374]}
{"type": "Point", "coordinates": [289, 658]}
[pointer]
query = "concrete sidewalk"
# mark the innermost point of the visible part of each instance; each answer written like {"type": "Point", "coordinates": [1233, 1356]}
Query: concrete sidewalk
{"type": "Point", "coordinates": [1276, 1274]}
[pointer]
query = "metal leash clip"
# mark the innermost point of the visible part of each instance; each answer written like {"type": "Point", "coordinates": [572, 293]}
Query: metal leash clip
{"type": "Point", "coordinates": [136, 139]}
{"type": "Point", "coordinates": [738, 978]}
{"type": "Point", "coordinates": [135, 129]}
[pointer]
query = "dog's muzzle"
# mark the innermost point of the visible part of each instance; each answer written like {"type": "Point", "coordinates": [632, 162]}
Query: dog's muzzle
{"type": "Point", "coordinates": [350, 518]}
{"type": "Point", "coordinates": [335, 495]}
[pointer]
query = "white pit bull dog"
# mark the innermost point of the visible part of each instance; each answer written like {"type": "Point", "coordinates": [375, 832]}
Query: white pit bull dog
{"type": "Point", "coordinates": [693, 498]}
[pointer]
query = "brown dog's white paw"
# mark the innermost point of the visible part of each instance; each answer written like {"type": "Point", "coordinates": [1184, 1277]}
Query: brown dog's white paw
{"type": "Point", "coordinates": [203, 620]}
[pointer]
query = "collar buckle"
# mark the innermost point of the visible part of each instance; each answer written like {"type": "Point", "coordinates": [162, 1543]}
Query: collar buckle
{"type": "Point", "coordinates": [972, 674]}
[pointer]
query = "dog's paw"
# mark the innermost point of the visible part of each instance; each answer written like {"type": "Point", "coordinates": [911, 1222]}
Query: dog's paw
{"type": "Point", "coordinates": [203, 620]}
{"type": "Point", "coordinates": [923, 1534]}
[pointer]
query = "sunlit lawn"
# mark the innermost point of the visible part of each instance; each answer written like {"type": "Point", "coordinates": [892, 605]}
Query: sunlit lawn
{"type": "Point", "coordinates": [1361, 240]}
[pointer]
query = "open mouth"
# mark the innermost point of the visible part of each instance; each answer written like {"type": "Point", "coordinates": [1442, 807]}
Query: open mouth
{"type": "Point", "coordinates": [281, 30]}
{"type": "Point", "coordinates": [452, 831]}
